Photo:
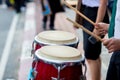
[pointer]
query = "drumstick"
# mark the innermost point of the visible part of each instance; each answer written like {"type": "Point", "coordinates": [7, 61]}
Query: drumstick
{"type": "Point", "coordinates": [86, 30]}
{"type": "Point", "coordinates": [83, 16]}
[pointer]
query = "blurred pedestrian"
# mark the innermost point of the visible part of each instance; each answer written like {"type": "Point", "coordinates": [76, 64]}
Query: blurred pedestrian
{"type": "Point", "coordinates": [19, 4]}
{"type": "Point", "coordinates": [8, 3]}
{"type": "Point", "coordinates": [55, 7]}
{"type": "Point", "coordinates": [96, 11]}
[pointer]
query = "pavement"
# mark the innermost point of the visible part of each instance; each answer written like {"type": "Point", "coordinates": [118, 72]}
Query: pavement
{"type": "Point", "coordinates": [33, 26]}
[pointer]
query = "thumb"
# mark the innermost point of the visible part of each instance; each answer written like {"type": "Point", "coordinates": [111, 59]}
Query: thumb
{"type": "Point", "coordinates": [96, 25]}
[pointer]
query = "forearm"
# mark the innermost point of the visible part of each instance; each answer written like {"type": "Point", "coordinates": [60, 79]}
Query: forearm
{"type": "Point", "coordinates": [101, 11]}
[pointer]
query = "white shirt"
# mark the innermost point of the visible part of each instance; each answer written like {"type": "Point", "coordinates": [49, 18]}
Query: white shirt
{"type": "Point", "coordinates": [91, 3]}
{"type": "Point", "coordinates": [117, 21]}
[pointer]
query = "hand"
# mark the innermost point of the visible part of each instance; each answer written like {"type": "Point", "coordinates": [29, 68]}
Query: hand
{"type": "Point", "coordinates": [112, 44]}
{"type": "Point", "coordinates": [102, 28]}
{"type": "Point", "coordinates": [99, 33]}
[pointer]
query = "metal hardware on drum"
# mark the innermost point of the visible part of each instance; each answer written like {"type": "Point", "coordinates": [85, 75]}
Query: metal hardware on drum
{"type": "Point", "coordinates": [59, 67]}
{"type": "Point", "coordinates": [34, 73]}
{"type": "Point", "coordinates": [32, 51]}
{"type": "Point", "coordinates": [45, 67]}
{"type": "Point", "coordinates": [83, 77]}
{"type": "Point", "coordinates": [59, 72]}
{"type": "Point", "coordinates": [56, 78]}
{"type": "Point", "coordinates": [62, 66]}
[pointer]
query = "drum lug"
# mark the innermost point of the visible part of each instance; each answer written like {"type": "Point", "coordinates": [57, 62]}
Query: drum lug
{"type": "Point", "coordinates": [83, 77]}
{"type": "Point", "coordinates": [59, 68]}
{"type": "Point", "coordinates": [57, 78]}
{"type": "Point", "coordinates": [34, 73]}
{"type": "Point", "coordinates": [31, 79]}
{"type": "Point", "coordinates": [62, 66]}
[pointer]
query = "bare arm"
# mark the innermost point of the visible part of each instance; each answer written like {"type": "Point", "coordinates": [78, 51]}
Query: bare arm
{"type": "Point", "coordinates": [101, 13]}
{"type": "Point", "coordinates": [101, 10]}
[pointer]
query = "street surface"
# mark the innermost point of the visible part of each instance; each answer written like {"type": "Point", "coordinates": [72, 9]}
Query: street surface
{"type": "Point", "coordinates": [11, 37]}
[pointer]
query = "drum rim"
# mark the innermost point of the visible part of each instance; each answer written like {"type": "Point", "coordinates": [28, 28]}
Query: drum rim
{"type": "Point", "coordinates": [57, 32]}
{"type": "Point", "coordinates": [48, 43]}
{"type": "Point", "coordinates": [59, 61]}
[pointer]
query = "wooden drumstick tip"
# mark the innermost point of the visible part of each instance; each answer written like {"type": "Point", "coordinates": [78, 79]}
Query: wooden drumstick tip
{"type": "Point", "coordinates": [75, 26]}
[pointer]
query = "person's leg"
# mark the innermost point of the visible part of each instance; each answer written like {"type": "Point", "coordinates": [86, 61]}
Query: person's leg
{"type": "Point", "coordinates": [18, 6]}
{"type": "Point", "coordinates": [94, 67]}
{"type": "Point", "coordinates": [92, 51]}
{"type": "Point", "coordinates": [92, 54]}
{"type": "Point", "coordinates": [52, 20]}
{"type": "Point", "coordinates": [44, 22]}
{"type": "Point", "coordinates": [23, 3]}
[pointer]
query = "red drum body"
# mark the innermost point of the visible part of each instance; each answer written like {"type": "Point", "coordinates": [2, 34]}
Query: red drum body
{"type": "Point", "coordinates": [61, 63]}
{"type": "Point", "coordinates": [46, 38]}
{"type": "Point", "coordinates": [47, 72]}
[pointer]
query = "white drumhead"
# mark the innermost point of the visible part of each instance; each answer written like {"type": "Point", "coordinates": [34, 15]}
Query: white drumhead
{"type": "Point", "coordinates": [59, 53]}
{"type": "Point", "coordinates": [56, 36]}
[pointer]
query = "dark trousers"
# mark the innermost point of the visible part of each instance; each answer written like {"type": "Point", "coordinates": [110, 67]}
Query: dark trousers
{"type": "Point", "coordinates": [0, 1]}
{"type": "Point", "coordinates": [114, 67]}
{"type": "Point", "coordinates": [52, 20]}
{"type": "Point", "coordinates": [18, 5]}
{"type": "Point", "coordinates": [92, 51]}
{"type": "Point", "coordinates": [110, 5]}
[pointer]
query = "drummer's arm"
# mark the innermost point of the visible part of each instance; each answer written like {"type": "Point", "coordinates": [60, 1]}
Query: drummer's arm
{"type": "Point", "coordinates": [100, 16]}
{"type": "Point", "coordinates": [101, 12]}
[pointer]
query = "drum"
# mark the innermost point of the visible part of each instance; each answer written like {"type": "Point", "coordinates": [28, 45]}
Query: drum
{"type": "Point", "coordinates": [57, 63]}
{"type": "Point", "coordinates": [54, 38]}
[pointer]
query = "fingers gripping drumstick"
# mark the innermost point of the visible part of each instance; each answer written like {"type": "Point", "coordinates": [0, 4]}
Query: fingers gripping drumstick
{"type": "Point", "coordinates": [83, 16]}
{"type": "Point", "coordinates": [84, 29]}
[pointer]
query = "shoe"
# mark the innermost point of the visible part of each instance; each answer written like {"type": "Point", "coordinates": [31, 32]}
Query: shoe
{"type": "Point", "coordinates": [52, 28]}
